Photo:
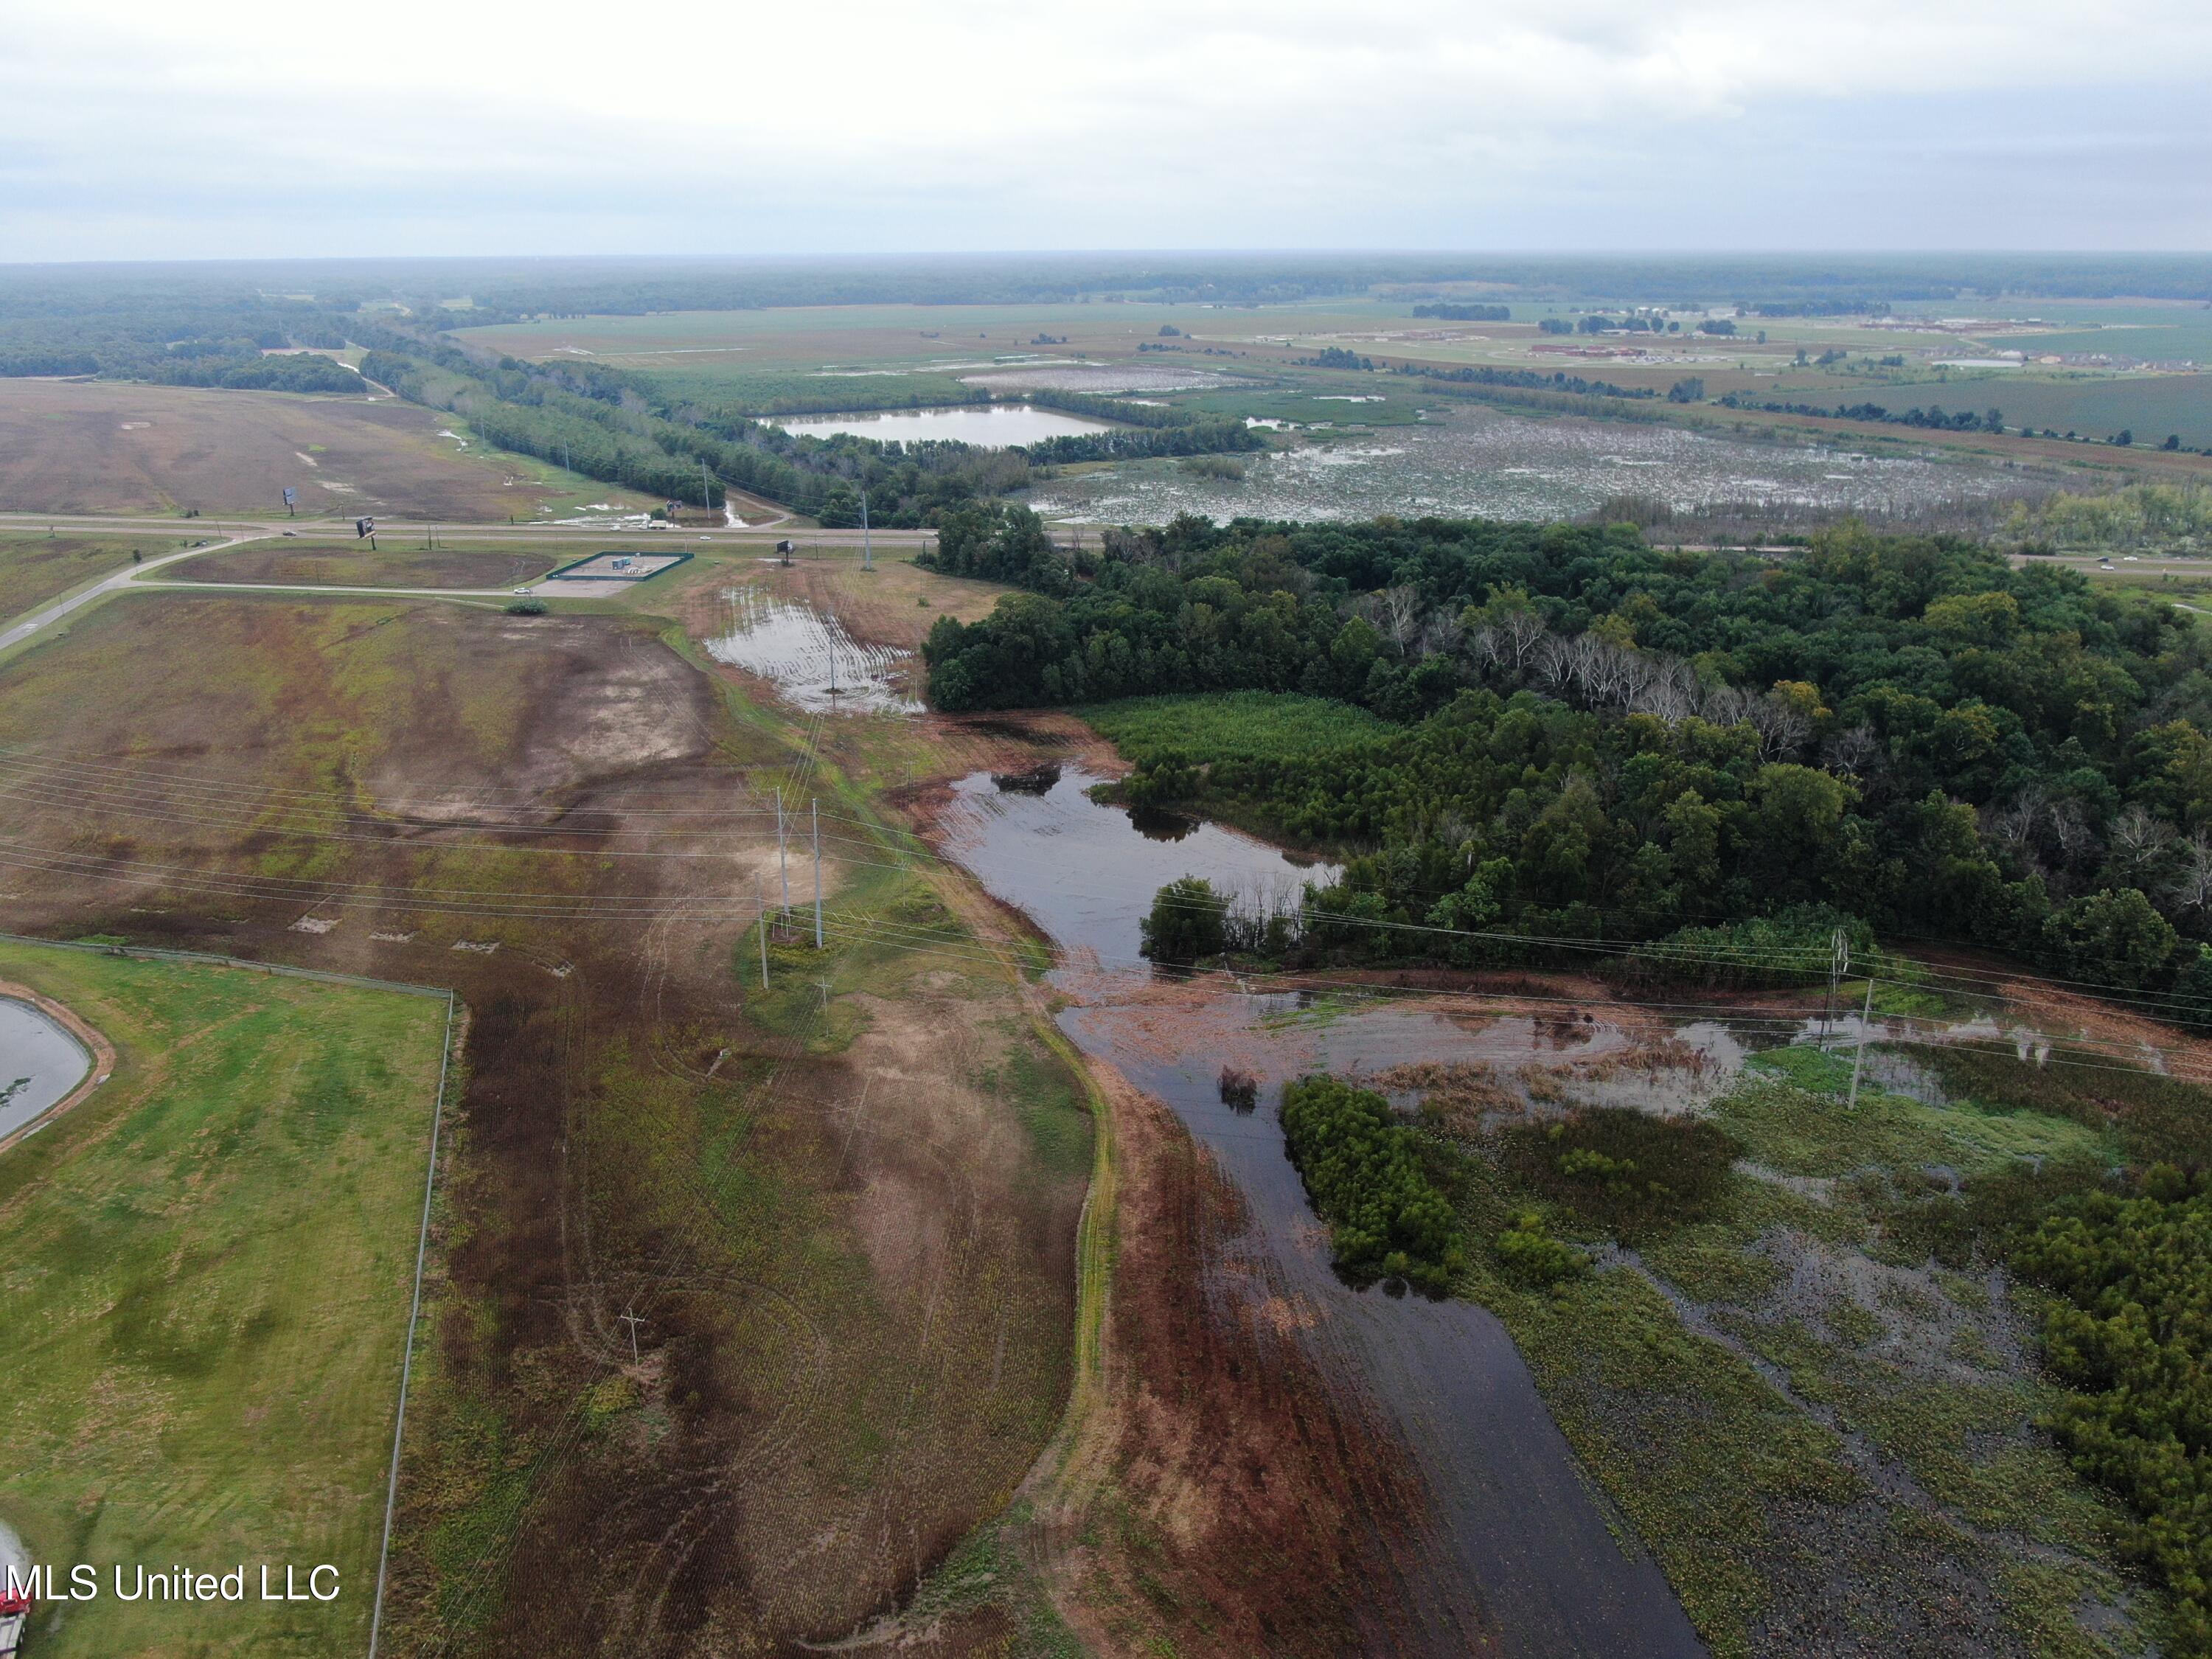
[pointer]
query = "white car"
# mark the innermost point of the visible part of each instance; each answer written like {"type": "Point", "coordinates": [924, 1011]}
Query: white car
{"type": "Point", "coordinates": [522, 590]}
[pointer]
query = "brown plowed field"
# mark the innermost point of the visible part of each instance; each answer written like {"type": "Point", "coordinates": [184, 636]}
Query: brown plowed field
{"type": "Point", "coordinates": [110, 446]}
{"type": "Point", "coordinates": [843, 1218]}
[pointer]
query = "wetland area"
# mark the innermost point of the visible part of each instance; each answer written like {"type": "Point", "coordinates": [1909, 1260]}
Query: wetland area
{"type": "Point", "coordinates": [1522, 1555]}
{"type": "Point", "coordinates": [1476, 462]}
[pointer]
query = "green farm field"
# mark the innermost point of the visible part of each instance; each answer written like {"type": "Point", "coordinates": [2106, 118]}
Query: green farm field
{"type": "Point", "coordinates": [350, 563]}
{"type": "Point", "coordinates": [2152, 406]}
{"type": "Point", "coordinates": [36, 566]}
{"type": "Point", "coordinates": [209, 1267]}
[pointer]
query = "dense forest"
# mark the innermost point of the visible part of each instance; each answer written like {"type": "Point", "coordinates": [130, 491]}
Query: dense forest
{"type": "Point", "coordinates": [1568, 733]}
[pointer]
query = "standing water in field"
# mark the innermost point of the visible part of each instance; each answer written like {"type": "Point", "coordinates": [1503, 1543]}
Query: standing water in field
{"type": "Point", "coordinates": [1523, 1556]}
{"type": "Point", "coordinates": [1481, 463]}
{"type": "Point", "coordinates": [40, 1063]}
{"type": "Point", "coordinates": [814, 663]}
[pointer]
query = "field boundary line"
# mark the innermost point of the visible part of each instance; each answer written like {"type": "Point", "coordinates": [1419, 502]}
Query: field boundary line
{"type": "Point", "coordinates": [285, 971]}
{"type": "Point", "coordinates": [414, 1317]}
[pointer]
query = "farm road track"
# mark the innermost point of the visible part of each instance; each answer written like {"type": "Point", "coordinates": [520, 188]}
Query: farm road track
{"type": "Point", "coordinates": [21, 629]}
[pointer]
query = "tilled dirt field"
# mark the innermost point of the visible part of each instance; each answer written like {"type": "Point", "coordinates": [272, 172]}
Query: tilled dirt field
{"type": "Point", "coordinates": [108, 446]}
{"type": "Point", "coordinates": [843, 1219]}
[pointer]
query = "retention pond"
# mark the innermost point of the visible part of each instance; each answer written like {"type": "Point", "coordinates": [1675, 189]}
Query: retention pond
{"type": "Point", "coordinates": [40, 1063]}
{"type": "Point", "coordinates": [1524, 1555]}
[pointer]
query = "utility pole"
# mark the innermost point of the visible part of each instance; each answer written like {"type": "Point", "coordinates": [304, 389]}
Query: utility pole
{"type": "Point", "coordinates": [782, 866]}
{"type": "Point", "coordinates": [1858, 1059]}
{"type": "Point", "coordinates": [814, 808]}
{"type": "Point", "coordinates": [1839, 959]}
{"type": "Point", "coordinates": [867, 548]}
{"type": "Point", "coordinates": [633, 1320]}
{"type": "Point", "coordinates": [760, 909]}
{"type": "Point", "coordinates": [706, 487]}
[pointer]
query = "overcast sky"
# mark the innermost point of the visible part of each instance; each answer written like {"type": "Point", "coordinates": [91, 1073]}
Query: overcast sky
{"type": "Point", "coordinates": [129, 129]}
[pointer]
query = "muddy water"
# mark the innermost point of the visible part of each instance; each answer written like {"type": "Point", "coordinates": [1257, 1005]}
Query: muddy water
{"type": "Point", "coordinates": [40, 1063]}
{"type": "Point", "coordinates": [814, 663]}
{"type": "Point", "coordinates": [1524, 1555]}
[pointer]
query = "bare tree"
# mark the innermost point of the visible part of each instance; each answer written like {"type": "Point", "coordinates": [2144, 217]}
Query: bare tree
{"type": "Point", "coordinates": [2069, 828]}
{"type": "Point", "coordinates": [1782, 726]}
{"type": "Point", "coordinates": [1402, 615]}
{"type": "Point", "coordinates": [1442, 635]}
{"type": "Point", "coordinates": [2191, 890]}
{"type": "Point", "coordinates": [2136, 845]}
{"type": "Point", "coordinates": [1849, 750]}
{"type": "Point", "coordinates": [1512, 642]}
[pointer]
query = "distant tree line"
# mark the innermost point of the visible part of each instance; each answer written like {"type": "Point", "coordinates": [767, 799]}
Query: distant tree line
{"type": "Point", "coordinates": [1533, 379]}
{"type": "Point", "coordinates": [1932, 418]}
{"type": "Point", "coordinates": [1451, 312]}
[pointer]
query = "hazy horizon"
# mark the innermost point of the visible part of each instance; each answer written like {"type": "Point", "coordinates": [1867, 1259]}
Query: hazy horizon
{"type": "Point", "coordinates": [133, 132]}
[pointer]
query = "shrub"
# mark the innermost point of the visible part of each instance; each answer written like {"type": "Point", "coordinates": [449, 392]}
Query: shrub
{"type": "Point", "coordinates": [1628, 1171]}
{"type": "Point", "coordinates": [1185, 926]}
{"type": "Point", "coordinates": [526, 607]}
{"type": "Point", "coordinates": [2132, 1340]}
{"type": "Point", "coordinates": [1363, 1170]}
{"type": "Point", "coordinates": [1528, 1252]}
{"type": "Point", "coordinates": [1240, 1091]}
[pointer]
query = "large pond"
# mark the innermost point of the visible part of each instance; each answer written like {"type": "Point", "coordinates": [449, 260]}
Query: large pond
{"type": "Point", "coordinates": [996, 426]}
{"type": "Point", "coordinates": [40, 1063]}
{"type": "Point", "coordinates": [1523, 1556]}
{"type": "Point", "coordinates": [1476, 462]}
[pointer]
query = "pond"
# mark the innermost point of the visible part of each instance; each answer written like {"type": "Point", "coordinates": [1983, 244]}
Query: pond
{"type": "Point", "coordinates": [1481, 463]}
{"type": "Point", "coordinates": [1086, 872]}
{"type": "Point", "coordinates": [1523, 1555]}
{"type": "Point", "coordinates": [995, 426]}
{"type": "Point", "coordinates": [40, 1063]}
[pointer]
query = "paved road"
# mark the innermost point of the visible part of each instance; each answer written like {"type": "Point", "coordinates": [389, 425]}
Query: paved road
{"type": "Point", "coordinates": [233, 532]}
{"type": "Point", "coordinates": [24, 626]}
{"type": "Point", "coordinates": [408, 533]}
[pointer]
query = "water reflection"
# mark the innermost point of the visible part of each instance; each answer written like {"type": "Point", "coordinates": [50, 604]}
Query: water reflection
{"type": "Point", "coordinates": [995, 426]}
{"type": "Point", "coordinates": [815, 664]}
{"type": "Point", "coordinates": [1075, 865]}
{"type": "Point", "coordinates": [1523, 1557]}
{"type": "Point", "coordinates": [40, 1063]}
{"type": "Point", "coordinates": [1155, 824]}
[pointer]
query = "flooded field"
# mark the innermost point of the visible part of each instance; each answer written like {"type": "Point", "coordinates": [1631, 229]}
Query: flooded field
{"type": "Point", "coordinates": [1483, 463]}
{"type": "Point", "coordinates": [40, 1063]}
{"type": "Point", "coordinates": [995, 426]}
{"type": "Point", "coordinates": [1523, 1556]}
{"type": "Point", "coordinates": [813, 662]}
{"type": "Point", "coordinates": [1103, 379]}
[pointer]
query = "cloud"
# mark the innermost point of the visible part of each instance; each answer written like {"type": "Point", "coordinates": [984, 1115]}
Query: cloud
{"type": "Point", "coordinates": [134, 129]}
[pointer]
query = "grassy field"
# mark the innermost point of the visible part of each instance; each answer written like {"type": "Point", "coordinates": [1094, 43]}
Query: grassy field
{"type": "Point", "coordinates": [350, 563]}
{"type": "Point", "coordinates": [1232, 724]}
{"type": "Point", "coordinates": [2150, 405]}
{"type": "Point", "coordinates": [35, 566]}
{"type": "Point", "coordinates": [208, 1267]}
